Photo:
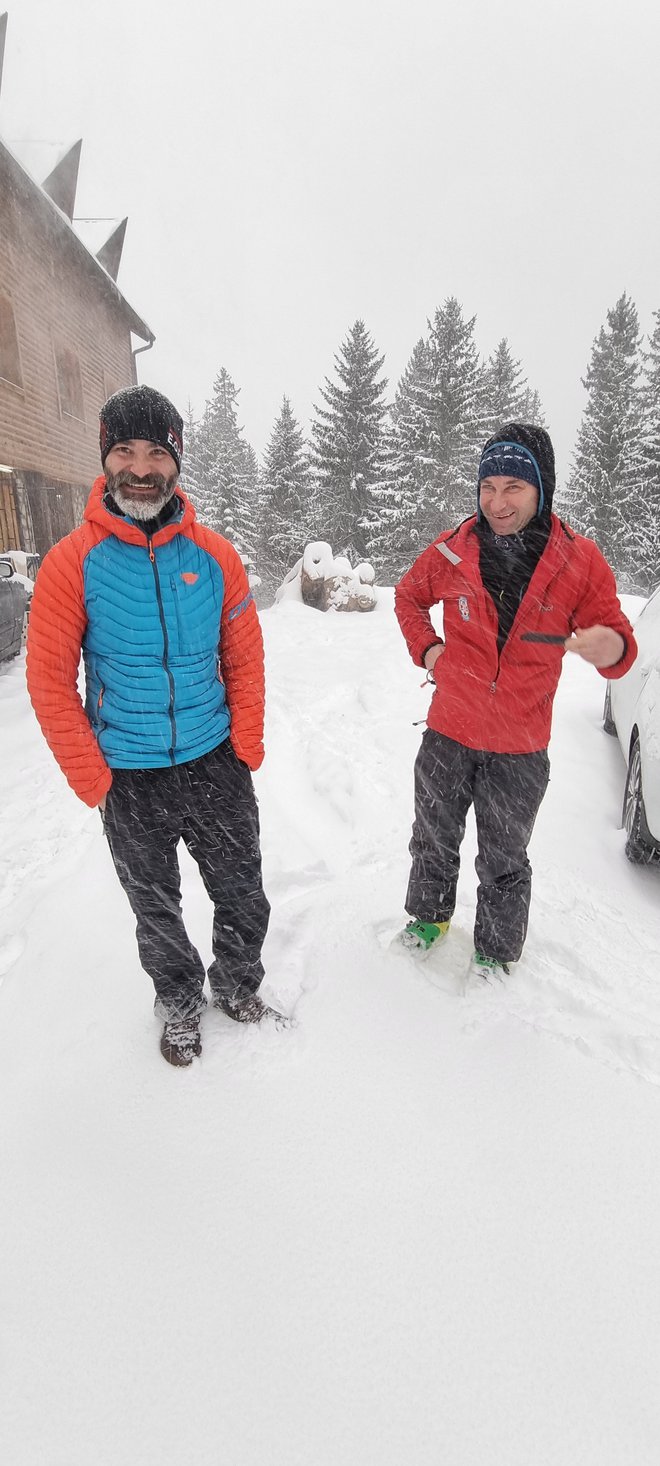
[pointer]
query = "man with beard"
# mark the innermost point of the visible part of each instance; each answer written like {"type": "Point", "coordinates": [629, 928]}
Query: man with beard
{"type": "Point", "coordinates": [172, 722]}
{"type": "Point", "coordinates": [518, 588]}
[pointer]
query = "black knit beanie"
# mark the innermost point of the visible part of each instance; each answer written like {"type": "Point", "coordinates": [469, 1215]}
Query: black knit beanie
{"type": "Point", "coordinates": [141, 412]}
{"type": "Point", "coordinates": [521, 450]}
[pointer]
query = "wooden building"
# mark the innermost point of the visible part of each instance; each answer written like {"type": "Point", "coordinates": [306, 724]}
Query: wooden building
{"type": "Point", "coordinates": [67, 341]}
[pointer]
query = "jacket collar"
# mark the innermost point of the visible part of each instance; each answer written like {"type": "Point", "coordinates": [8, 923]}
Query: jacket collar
{"type": "Point", "coordinates": [96, 512]}
{"type": "Point", "coordinates": [463, 545]}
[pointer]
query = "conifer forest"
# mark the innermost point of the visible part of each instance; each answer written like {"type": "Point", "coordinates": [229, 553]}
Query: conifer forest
{"type": "Point", "coordinates": [380, 473]}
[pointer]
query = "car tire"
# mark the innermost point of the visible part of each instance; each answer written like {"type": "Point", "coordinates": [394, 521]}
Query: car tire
{"type": "Point", "coordinates": [608, 721]}
{"type": "Point", "coordinates": [641, 849]}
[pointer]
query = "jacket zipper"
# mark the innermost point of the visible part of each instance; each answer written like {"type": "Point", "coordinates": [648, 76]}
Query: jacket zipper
{"type": "Point", "coordinates": [478, 590]}
{"type": "Point", "coordinates": [166, 647]}
{"type": "Point", "coordinates": [493, 685]}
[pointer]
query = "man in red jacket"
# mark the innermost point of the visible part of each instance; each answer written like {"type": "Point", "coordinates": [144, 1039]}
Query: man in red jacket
{"type": "Point", "coordinates": [518, 588]}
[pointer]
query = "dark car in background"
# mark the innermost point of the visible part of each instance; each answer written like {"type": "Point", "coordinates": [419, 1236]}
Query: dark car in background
{"type": "Point", "coordinates": [14, 602]}
{"type": "Point", "coordinates": [25, 563]}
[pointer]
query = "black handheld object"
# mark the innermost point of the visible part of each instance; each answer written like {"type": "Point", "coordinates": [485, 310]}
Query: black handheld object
{"type": "Point", "coordinates": [548, 637]}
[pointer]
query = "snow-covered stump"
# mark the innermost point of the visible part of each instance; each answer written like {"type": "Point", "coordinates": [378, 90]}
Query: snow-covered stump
{"type": "Point", "coordinates": [365, 597]}
{"type": "Point", "coordinates": [316, 571]}
{"type": "Point", "coordinates": [329, 583]}
{"type": "Point", "coordinates": [354, 589]}
{"type": "Point", "coordinates": [348, 594]}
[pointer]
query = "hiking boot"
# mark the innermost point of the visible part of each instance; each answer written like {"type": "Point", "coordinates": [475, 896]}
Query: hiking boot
{"type": "Point", "coordinates": [489, 969]}
{"type": "Point", "coordinates": [422, 936]}
{"type": "Point", "coordinates": [246, 1008]}
{"type": "Point", "coordinates": [180, 1042]}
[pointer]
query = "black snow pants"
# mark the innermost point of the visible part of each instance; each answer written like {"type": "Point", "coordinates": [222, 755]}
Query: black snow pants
{"type": "Point", "coordinates": [506, 790]}
{"type": "Point", "coordinates": [210, 804]}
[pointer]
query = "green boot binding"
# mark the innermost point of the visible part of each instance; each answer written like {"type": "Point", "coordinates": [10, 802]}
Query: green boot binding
{"type": "Point", "coordinates": [423, 936]}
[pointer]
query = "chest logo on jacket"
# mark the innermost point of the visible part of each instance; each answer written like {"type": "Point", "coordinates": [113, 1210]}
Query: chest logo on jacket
{"type": "Point", "coordinates": [464, 607]}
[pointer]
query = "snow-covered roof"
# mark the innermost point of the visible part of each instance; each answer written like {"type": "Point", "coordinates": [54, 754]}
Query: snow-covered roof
{"type": "Point", "coordinates": [39, 159]}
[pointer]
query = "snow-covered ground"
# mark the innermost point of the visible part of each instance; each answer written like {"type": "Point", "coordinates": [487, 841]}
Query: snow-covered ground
{"type": "Point", "coordinates": [419, 1227]}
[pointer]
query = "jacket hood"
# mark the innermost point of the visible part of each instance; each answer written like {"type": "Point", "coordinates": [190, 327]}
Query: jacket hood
{"type": "Point", "coordinates": [538, 442]}
{"type": "Point", "coordinates": [124, 529]}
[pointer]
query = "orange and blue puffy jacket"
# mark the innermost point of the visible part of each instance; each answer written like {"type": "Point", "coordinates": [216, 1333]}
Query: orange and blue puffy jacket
{"type": "Point", "coordinates": [171, 643]}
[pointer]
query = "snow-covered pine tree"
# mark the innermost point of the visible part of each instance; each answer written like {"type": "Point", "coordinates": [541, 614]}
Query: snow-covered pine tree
{"type": "Point", "coordinates": [246, 527]}
{"type": "Point", "coordinates": [605, 493]}
{"type": "Point", "coordinates": [225, 454]}
{"type": "Point", "coordinates": [225, 469]}
{"type": "Point", "coordinates": [190, 470]}
{"type": "Point", "coordinates": [649, 517]}
{"type": "Point", "coordinates": [506, 394]}
{"type": "Point", "coordinates": [531, 409]}
{"type": "Point", "coordinates": [460, 423]}
{"type": "Point", "coordinates": [287, 512]}
{"type": "Point", "coordinates": [447, 403]}
{"type": "Point", "coordinates": [348, 442]}
{"type": "Point", "coordinates": [398, 520]}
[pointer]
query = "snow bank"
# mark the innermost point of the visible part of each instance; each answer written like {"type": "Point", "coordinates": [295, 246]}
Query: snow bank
{"type": "Point", "coordinates": [418, 1227]}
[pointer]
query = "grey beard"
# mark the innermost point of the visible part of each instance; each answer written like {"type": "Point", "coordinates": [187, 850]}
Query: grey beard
{"type": "Point", "coordinates": [140, 508]}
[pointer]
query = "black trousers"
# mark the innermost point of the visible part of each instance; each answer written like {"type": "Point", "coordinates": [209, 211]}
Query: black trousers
{"type": "Point", "coordinates": [506, 790]}
{"type": "Point", "coordinates": [210, 804]}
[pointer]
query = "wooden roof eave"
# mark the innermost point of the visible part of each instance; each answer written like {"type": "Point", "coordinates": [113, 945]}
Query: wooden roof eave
{"type": "Point", "coordinates": [133, 320]}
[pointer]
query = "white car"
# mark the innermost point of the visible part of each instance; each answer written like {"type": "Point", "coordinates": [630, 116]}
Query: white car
{"type": "Point", "coordinates": [632, 711]}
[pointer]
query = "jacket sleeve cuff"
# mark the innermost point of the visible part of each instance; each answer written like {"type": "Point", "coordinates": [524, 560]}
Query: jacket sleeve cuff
{"type": "Point", "coordinates": [438, 642]}
{"type": "Point", "coordinates": [625, 649]}
{"type": "Point", "coordinates": [619, 669]}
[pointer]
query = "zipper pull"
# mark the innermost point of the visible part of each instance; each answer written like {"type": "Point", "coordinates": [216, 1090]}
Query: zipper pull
{"type": "Point", "coordinates": [152, 557]}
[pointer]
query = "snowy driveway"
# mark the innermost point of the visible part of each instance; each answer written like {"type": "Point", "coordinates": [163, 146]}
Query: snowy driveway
{"type": "Point", "coordinates": [416, 1228]}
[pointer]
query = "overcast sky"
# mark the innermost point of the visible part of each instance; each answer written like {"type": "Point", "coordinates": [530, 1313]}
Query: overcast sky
{"type": "Point", "coordinates": [289, 166]}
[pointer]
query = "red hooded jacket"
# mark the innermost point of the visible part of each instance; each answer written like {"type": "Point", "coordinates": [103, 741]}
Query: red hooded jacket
{"type": "Point", "coordinates": [502, 702]}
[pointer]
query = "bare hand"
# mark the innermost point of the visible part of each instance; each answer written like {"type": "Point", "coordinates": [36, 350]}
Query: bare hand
{"type": "Point", "coordinates": [598, 645]}
{"type": "Point", "coordinates": [431, 656]}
